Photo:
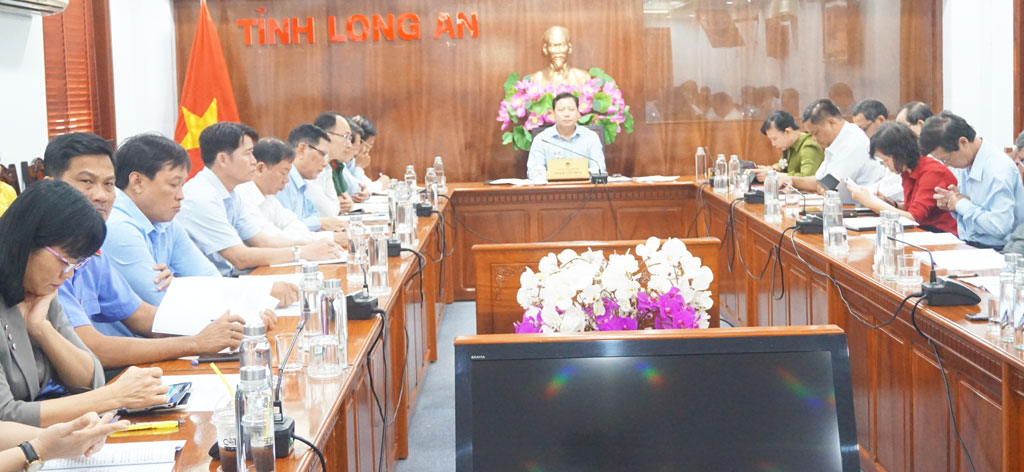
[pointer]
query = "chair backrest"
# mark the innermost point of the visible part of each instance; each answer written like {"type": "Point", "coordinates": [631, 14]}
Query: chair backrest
{"type": "Point", "coordinates": [9, 175]}
{"type": "Point", "coordinates": [32, 172]}
{"type": "Point", "coordinates": [498, 267]}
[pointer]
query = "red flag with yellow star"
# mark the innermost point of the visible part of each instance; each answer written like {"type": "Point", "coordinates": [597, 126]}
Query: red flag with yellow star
{"type": "Point", "coordinates": [207, 96]}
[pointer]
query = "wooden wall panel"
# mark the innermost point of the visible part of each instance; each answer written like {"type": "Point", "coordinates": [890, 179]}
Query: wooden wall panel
{"type": "Point", "coordinates": [440, 97]}
{"type": "Point", "coordinates": [930, 449]}
{"type": "Point", "coordinates": [979, 418]}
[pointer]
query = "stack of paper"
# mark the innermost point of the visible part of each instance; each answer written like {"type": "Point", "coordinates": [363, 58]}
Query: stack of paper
{"type": "Point", "coordinates": [153, 456]}
{"type": "Point", "coordinates": [513, 182]}
{"type": "Point", "coordinates": [191, 303]}
{"type": "Point", "coordinates": [963, 259]}
{"type": "Point", "coordinates": [989, 283]}
{"type": "Point", "coordinates": [864, 223]}
{"type": "Point", "coordinates": [926, 238]}
{"type": "Point", "coordinates": [648, 179]}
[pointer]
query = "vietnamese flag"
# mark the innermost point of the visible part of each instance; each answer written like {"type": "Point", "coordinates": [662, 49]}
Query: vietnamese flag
{"type": "Point", "coordinates": [207, 96]}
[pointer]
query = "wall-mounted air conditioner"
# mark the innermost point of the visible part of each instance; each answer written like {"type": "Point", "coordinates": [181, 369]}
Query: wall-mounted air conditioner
{"type": "Point", "coordinates": [33, 7]}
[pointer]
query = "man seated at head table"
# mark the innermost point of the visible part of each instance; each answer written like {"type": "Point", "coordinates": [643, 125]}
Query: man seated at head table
{"type": "Point", "coordinates": [565, 140]}
{"type": "Point", "coordinates": [846, 150]}
{"type": "Point", "coordinates": [310, 145]}
{"type": "Point", "coordinates": [102, 307]}
{"type": "Point", "coordinates": [366, 137]}
{"type": "Point", "coordinates": [896, 146]}
{"type": "Point", "coordinates": [150, 173]}
{"type": "Point", "coordinates": [274, 160]}
{"type": "Point", "coordinates": [216, 218]}
{"type": "Point", "coordinates": [48, 233]}
{"type": "Point", "coordinates": [989, 201]}
{"type": "Point", "coordinates": [339, 180]}
{"type": "Point", "coordinates": [801, 154]}
{"type": "Point", "coordinates": [24, 447]}
{"type": "Point", "coordinates": [869, 114]}
{"type": "Point", "coordinates": [913, 115]}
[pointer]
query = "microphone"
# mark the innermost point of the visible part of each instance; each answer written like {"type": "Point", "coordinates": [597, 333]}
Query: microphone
{"type": "Point", "coordinates": [601, 177]}
{"type": "Point", "coordinates": [943, 292]}
{"type": "Point", "coordinates": [284, 427]}
{"type": "Point", "coordinates": [808, 224]}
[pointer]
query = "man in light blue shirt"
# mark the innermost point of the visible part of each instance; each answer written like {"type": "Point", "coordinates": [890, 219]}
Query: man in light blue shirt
{"type": "Point", "coordinates": [988, 203]}
{"type": "Point", "coordinates": [216, 218]}
{"type": "Point", "coordinates": [565, 140]}
{"type": "Point", "coordinates": [310, 145]}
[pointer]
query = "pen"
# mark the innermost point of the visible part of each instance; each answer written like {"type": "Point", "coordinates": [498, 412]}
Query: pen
{"type": "Point", "coordinates": [155, 425]}
{"type": "Point", "coordinates": [961, 276]}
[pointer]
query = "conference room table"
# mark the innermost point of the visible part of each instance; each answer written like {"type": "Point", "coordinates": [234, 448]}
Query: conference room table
{"type": "Point", "coordinates": [388, 358]}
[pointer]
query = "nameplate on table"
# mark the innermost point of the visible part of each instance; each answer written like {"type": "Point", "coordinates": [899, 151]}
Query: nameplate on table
{"type": "Point", "coordinates": [573, 168]}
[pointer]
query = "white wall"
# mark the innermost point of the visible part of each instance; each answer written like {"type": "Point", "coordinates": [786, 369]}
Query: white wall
{"type": "Point", "coordinates": [977, 65]}
{"type": "Point", "coordinates": [145, 77]}
{"type": "Point", "coordinates": [22, 88]}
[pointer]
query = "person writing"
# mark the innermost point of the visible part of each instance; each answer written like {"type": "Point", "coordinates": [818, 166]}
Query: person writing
{"type": "Point", "coordinates": [21, 446]}
{"type": "Point", "coordinates": [801, 154]}
{"type": "Point", "coordinates": [564, 140]}
{"type": "Point", "coordinates": [896, 146]}
{"type": "Point", "coordinates": [47, 233]}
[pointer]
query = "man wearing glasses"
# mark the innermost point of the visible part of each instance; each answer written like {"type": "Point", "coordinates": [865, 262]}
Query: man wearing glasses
{"type": "Point", "coordinates": [311, 144]}
{"type": "Point", "coordinates": [341, 178]}
{"type": "Point", "coordinates": [869, 114]}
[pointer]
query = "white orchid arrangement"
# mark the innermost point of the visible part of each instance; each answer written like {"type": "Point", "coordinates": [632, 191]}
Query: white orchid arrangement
{"type": "Point", "coordinates": [667, 288]}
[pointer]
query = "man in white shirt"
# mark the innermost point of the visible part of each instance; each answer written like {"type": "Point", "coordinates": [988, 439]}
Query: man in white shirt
{"type": "Point", "coordinates": [273, 163]}
{"type": "Point", "coordinates": [846, 151]}
{"type": "Point", "coordinates": [337, 180]}
{"type": "Point", "coordinates": [215, 217]}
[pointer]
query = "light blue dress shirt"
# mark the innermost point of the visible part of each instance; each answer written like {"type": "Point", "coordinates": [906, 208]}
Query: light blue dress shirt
{"type": "Point", "coordinates": [215, 219]}
{"type": "Point", "coordinates": [134, 245]}
{"type": "Point", "coordinates": [583, 141]}
{"type": "Point", "coordinates": [351, 173]}
{"type": "Point", "coordinates": [996, 204]}
{"type": "Point", "coordinates": [294, 198]}
{"type": "Point", "coordinates": [98, 295]}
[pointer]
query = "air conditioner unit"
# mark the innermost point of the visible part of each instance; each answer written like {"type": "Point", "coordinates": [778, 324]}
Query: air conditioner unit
{"type": "Point", "coordinates": [33, 7]}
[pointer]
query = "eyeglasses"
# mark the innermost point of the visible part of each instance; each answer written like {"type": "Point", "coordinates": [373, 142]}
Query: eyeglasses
{"type": "Point", "coordinates": [68, 265]}
{"type": "Point", "coordinates": [322, 154]}
{"type": "Point", "coordinates": [347, 136]}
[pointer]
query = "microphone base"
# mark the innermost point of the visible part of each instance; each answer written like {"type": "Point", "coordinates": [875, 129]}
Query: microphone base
{"type": "Point", "coordinates": [600, 178]}
{"type": "Point", "coordinates": [947, 292]}
{"type": "Point", "coordinates": [810, 225]}
{"type": "Point", "coordinates": [424, 210]}
{"type": "Point", "coordinates": [360, 306]}
{"type": "Point", "coordinates": [753, 196]}
{"type": "Point", "coordinates": [284, 429]}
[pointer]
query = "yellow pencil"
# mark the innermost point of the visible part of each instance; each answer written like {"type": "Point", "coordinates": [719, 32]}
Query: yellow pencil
{"type": "Point", "coordinates": [222, 379]}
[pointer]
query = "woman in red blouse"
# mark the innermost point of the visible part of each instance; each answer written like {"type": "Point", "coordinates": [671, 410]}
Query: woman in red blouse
{"type": "Point", "coordinates": [896, 146]}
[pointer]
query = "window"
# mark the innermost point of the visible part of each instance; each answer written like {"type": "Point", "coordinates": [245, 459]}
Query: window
{"type": "Point", "coordinates": [79, 85]}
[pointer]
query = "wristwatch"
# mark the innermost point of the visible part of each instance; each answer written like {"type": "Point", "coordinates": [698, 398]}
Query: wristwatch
{"type": "Point", "coordinates": [33, 463]}
{"type": "Point", "coordinates": [297, 252]}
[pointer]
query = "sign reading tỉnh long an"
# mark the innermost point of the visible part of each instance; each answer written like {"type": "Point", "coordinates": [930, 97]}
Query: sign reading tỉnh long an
{"type": "Point", "coordinates": [356, 28]}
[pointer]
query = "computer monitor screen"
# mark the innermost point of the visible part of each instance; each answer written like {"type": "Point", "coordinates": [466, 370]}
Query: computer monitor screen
{"type": "Point", "coordinates": [728, 404]}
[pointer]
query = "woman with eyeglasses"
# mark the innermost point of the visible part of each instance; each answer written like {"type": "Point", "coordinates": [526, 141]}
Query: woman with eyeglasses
{"type": "Point", "coordinates": [48, 232]}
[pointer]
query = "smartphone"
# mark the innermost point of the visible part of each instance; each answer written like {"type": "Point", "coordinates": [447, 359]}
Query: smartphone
{"type": "Point", "coordinates": [977, 316]}
{"type": "Point", "coordinates": [829, 182]}
{"type": "Point", "coordinates": [177, 397]}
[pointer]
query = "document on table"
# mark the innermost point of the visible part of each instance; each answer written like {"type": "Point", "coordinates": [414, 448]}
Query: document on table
{"type": "Point", "coordinates": [863, 223]}
{"type": "Point", "coordinates": [963, 259]}
{"type": "Point", "coordinates": [340, 260]}
{"type": "Point", "coordinates": [370, 216]}
{"type": "Point", "coordinates": [513, 182]}
{"type": "Point", "coordinates": [191, 303]}
{"type": "Point", "coordinates": [294, 279]}
{"type": "Point", "coordinates": [649, 179]}
{"type": "Point", "coordinates": [134, 456]}
{"type": "Point", "coordinates": [926, 238]}
{"type": "Point", "coordinates": [989, 283]}
{"type": "Point", "coordinates": [207, 389]}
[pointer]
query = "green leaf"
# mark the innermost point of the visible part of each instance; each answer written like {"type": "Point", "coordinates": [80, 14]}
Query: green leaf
{"type": "Point", "coordinates": [611, 130]}
{"type": "Point", "coordinates": [600, 74]}
{"type": "Point", "coordinates": [510, 84]}
{"type": "Point", "coordinates": [601, 102]}
{"type": "Point", "coordinates": [506, 138]}
{"type": "Point", "coordinates": [586, 119]}
{"type": "Point", "coordinates": [522, 138]}
{"type": "Point", "coordinates": [543, 105]}
{"type": "Point", "coordinates": [627, 125]}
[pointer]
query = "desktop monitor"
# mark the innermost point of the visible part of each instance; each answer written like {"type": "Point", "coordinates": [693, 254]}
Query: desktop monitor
{"type": "Point", "coordinates": [735, 399]}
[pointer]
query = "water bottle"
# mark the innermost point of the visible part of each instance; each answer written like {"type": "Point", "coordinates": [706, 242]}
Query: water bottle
{"type": "Point", "coordinates": [430, 187]}
{"type": "Point", "coordinates": [378, 262]}
{"type": "Point", "coordinates": [836, 243]}
{"type": "Point", "coordinates": [410, 179]}
{"type": "Point", "coordinates": [356, 250]}
{"type": "Point", "coordinates": [255, 347]}
{"type": "Point", "coordinates": [1007, 294]}
{"type": "Point", "coordinates": [721, 175]}
{"type": "Point", "coordinates": [772, 209]}
{"type": "Point", "coordinates": [254, 418]}
{"type": "Point", "coordinates": [328, 357]}
{"type": "Point", "coordinates": [309, 291]}
{"type": "Point", "coordinates": [735, 176]}
{"type": "Point", "coordinates": [405, 224]}
{"type": "Point", "coordinates": [891, 250]}
{"type": "Point", "coordinates": [700, 165]}
{"type": "Point", "coordinates": [1009, 326]}
{"type": "Point", "coordinates": [392, 204]}
{"type": "Point", "coordinates": [442, 184]}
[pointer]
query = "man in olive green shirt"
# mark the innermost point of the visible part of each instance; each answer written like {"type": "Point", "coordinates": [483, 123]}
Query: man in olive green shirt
{"type": "Point", "coordinates": [801, 154]}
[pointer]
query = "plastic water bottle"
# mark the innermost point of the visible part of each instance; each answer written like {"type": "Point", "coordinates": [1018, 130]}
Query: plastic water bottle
{"type": "Point", "coordinates": [1007, 294]}
{"type": "Point", "coordinates": [255, 347]}
{"type": "Point", "coordinates": [410, 180]}
{"type": "Point", "coordinates": [1009, 327]}
{"type": "Point", "coordinates": [735, 177]}
{"type": "Point", "coordinates": [430, 187]}
{"type": "Point", "coordinates": [309, 292]}
{"type": "Point", "coordinates": [254, 413]}
{"type": "Point", "coordinates": [836, 237]}
{"type": "Point", "coordinates": [700, 165]}
{"type": "Point", "coordinates": [772, 209]}
{"type": "Point", "coordinates": [326, 346]}
{"type": "Point", "coordinates": [721, 175]}
{"type": "Point", "coordinates": [356, 250]}
{"type": "Point", "coordinates": [442, 184]}
{"type": "Point", "coordinates": [379, 285]}
{"type": "Point", "coordinates": [891, 250]}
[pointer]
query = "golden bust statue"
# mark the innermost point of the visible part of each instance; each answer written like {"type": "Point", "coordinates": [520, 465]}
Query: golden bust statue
{"type": "Point", "coordinates": [557, 48]}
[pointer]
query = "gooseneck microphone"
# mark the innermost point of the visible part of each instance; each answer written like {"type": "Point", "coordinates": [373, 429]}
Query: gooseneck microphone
{"type": "Point", "coordinates": [943, 292]}
{"type": "Point", "coordinates": [808, 224]}
{"type": "Point", "coordinates": [601, 177]}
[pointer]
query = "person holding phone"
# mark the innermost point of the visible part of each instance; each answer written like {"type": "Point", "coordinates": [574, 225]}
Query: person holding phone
{"type": "Point", "coordinates": [896, 146]}
{"type": "Point", "coordinates": [24, 447]}
{"type": "Point", "coordinates": [801, 154]}
{"type": "Point", "coordinates": [47, 233]}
